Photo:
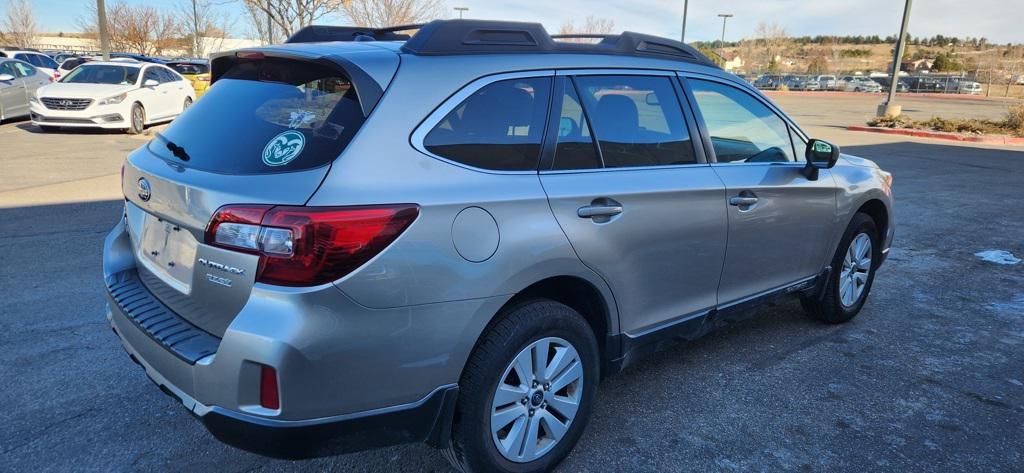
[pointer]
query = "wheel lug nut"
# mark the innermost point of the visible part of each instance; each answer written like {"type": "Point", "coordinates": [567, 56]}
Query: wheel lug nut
{"type": "Point", "coordinates": [547, 386]}
{"type": "Point", "coordinates": [531, 412]}
{"type": "Point", "coordinates": [523, 400]}
{"type": "Point", "coordinates": [534, 384]}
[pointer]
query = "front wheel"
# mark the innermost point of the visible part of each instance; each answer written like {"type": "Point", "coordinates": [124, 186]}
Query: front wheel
{"type": "Point", "coordinates": [187, 104]}
{"type": "Point", "coordinates": [526, 392]}
{"type": "Point", "coordinates": [137, 120]}
{"type": "Point", "coordinates": [853, 271]}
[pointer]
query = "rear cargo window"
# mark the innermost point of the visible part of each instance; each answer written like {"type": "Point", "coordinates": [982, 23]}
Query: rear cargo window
{"type": "Point", "coordinates": [267, 116]}
{"type": "Point", "coordinates": [499, 127]}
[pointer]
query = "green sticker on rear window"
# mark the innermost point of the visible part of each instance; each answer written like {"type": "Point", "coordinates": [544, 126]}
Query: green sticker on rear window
{"type": "Point", "coordinates": [284, 148]}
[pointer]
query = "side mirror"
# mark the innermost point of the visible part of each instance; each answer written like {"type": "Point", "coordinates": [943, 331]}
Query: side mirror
{"type": "Point", "coordinates": [820, 155]}
{"type": "Point", "coordinates": [6, 77]}
{"type": "Point", "coordinates": [150, 83]}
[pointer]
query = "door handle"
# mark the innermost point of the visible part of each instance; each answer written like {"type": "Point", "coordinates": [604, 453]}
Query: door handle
{"type": "Point", "coordinates": [591, 211]}
{"type": "Point", "coordinates": [742, 201]}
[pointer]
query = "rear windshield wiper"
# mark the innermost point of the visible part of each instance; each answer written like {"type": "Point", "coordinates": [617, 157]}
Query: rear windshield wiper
{"type": "Point", "coordinates": [177, 151]}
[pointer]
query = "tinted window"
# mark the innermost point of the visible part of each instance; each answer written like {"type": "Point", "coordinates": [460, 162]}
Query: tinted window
{"type": "Point", "coordinates": [266, 117]}
{"type": "Point", "coordinates": [498, 127]}
{"type": "Point", "coordinates": [153, 73]}
{"type": "Point", "coordinates": [742, 128]}
{"type": "Point", "coordinates": [186, 68]}
{"type": "Point", "coordinates": [45, 61]}
{"type": "Point", "coordinates": [637, 120]}
{"type": "Point", "coordinates": [575, 148]}
{"type": "Point", "coordinates": [103, 74]}
{"type": "Point", "coordinates": [24, 70]}
{"type": "Point", "coordinates": [70, 64]}
{"type": "Point", "coordinates": [166, 75]}
{"type": "Point", "coordinates": [7, 67]}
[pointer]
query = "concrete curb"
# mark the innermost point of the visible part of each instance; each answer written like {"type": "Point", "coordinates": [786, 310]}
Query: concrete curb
{"type": "Point", "coordinates": [941, 135]}
{"type": "Point", "coordinates": [922, 95]}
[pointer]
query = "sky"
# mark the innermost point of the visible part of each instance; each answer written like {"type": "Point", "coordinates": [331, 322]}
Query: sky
{"type": "Point", "coordinates": [997, 20]}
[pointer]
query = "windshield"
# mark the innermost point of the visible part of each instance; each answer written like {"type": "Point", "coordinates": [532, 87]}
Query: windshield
{"type": "Point", "coordinates": [103, 74]}
{"type": "Point", "coordinates": [266, 117]}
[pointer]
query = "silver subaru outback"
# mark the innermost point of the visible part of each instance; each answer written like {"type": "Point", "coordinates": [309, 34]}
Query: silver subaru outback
{"type": "Point", "coordinates": [361, 238]}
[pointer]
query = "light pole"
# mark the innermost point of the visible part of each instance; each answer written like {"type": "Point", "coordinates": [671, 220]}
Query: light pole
{"type": "Point", "coordinates": [101, 17]}
{"type": "Point", "coordinates": [724, 17]}
{"type": "Point", "coordinates": [889, 107]}
{"type": "Point", "coordinates": [686, 6]}
{"type": "Point", "coordinates": [461, 10]}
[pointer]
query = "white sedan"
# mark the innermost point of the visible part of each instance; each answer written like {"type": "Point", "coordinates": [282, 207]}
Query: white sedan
{"type": "Point", "coordinates": [113, 95]}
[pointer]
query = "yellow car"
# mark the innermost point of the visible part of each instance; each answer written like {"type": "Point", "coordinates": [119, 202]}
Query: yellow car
{"type": "Point", "coordinates": [197, 72]}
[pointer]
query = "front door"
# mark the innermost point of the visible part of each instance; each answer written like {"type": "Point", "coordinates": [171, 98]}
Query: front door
{"type": "Point", "coordinates": [13, 101]}
{"type": "Point", "coordinates": [635, 198]}
{"type": "Point", "coordinates": [779, 221]}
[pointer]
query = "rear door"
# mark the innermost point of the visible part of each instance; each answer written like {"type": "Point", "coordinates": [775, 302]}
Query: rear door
{"type": "Point", "coordinates": [266, 135]}
{"type": "Point", "coordinates": [779, 221]}
{"type": "Point", "coordinates": [636, 199]}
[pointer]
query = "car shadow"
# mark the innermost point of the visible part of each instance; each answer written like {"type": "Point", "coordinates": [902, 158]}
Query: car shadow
{"type": "Point", "coordinates": [29, 127]}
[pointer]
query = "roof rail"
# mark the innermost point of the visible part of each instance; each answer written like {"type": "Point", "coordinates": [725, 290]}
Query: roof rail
{"type": "Point", "coordinates": [453, 37]}
{"type": "Point", "coordinates": [318, 33]}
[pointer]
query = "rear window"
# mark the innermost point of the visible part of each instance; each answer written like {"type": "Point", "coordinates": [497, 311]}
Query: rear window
{"type": "Point", "coordinates": [267, 116]}
{"type": "Point", "coordinates": [183, 68]}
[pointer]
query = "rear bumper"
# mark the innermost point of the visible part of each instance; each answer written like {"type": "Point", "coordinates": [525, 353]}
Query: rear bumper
{"type": "Point", "coordinates": [350, 377]}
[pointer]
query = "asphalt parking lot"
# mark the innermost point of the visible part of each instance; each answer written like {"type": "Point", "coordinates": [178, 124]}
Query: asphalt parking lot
{"type": "Point", "coordinates": [930, 376]}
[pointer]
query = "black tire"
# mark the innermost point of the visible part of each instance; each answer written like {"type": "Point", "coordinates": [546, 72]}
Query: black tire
{"type": "Point", "coordinates": [188, 103]}
{"type": "Point", "coordinates": [49, 128]}
{"type": "Point", "coordinates": [136, 126]}
{"type": "Point", "coordinates": [830, 308]}
{"type": "Point", "coordinates": [472, 449]}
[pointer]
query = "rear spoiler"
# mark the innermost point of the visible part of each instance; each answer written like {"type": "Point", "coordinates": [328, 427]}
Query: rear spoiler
{"type": "Point", "coordinates": [368, 90]}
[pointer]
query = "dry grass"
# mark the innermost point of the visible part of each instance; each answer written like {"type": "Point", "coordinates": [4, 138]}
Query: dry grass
{"type": "Point", "coordinates": [1011, 124]}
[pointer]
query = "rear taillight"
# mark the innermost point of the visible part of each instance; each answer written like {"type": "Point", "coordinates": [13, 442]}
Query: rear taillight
{"type": "Point", "coordinates": [269, 397]}
{"type": "Point", "coordinates": [308, 246]}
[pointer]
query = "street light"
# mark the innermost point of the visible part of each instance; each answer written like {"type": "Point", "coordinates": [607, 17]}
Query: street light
{"type": "Point", "coordinates": [724, 17]}
{"type": "Point", "coordinates": [686, 6]}
{"type": "Point", "coordinates": [461, 10]}
{"type": "Point", "coordinates": [889, 107]}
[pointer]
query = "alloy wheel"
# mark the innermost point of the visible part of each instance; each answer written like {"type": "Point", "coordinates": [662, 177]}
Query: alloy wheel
{"type": "Point", "coordinates": [856, 268]}
{"type": "Point", "coordinates": [536, 399]}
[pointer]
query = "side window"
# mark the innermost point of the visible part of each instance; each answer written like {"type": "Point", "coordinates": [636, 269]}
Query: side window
{"type": "Point", "coordinates": [575, 148]}
{"type": "Point", "coordinates": [24, 70]}
{"type": "Point", "coordinates": [742, 128]}
{"type": "Point", "coordinates": [7, 67]}
{"type": "Point", "coordinates": [152, 73]}
{"type": "Point", "coordinates": [499, 127]}
{"type": "Point", "coordinates": [637, 120]}
{"type": "Point", "coordinates": [167, 75]}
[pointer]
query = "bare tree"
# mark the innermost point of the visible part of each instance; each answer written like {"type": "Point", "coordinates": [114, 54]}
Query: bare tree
{"type": "Point", "coordinates": [141, 29]}
{"type": "Point", "coordinates": [773, 40]}
{"type": "Point", "coordinates": [274, 19]}
{"type": "Point", "coordinates": [380, 13]}
{"type": "Point", "coordinates": [591, 25]}
{"type": "Point", "coordinates": [203, 25]}
{"type": "Point", "coordinates": [19, 24]}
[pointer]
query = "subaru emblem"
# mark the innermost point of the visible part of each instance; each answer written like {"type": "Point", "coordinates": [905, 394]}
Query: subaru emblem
{"type": "Point", "coordinates": [144, 190]}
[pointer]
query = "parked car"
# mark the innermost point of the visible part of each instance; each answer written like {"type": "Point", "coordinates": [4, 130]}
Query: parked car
{"type": "Point", "coordinates": [137, 57]}
{"type": "Point", "coordinates": [116, 95]}
{"type": "Point", "coordinates": [312, 265]}
{"type": "Point", "coordinates": [902, 85]}
{"type": "Point", "coordinates": [40, 61]}
{"type": "Point", "coordinates": [862, 84]}
{"type": "Point", "coordinates": [969, 87]}
{"type": "Point", "coordinates": [197, 72]}
{"type": "Point", "coordinates": [768, 81]}
{"type": "Point", "coordinates": [19, 80]}
{"type": "Point", "coordinates": [70, 64]}
{"type": "Point", "coordinates": [801, 83]}
{"type": "Point", "coordinates": [827, 82]}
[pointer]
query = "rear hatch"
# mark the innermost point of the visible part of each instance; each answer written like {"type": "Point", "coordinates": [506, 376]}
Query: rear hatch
{"type": "Point", "coordinates": [265, 134]}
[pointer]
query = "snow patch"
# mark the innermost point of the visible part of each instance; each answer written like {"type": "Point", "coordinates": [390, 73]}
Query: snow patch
{"type": "Point", "coordinates": [998, 257]}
